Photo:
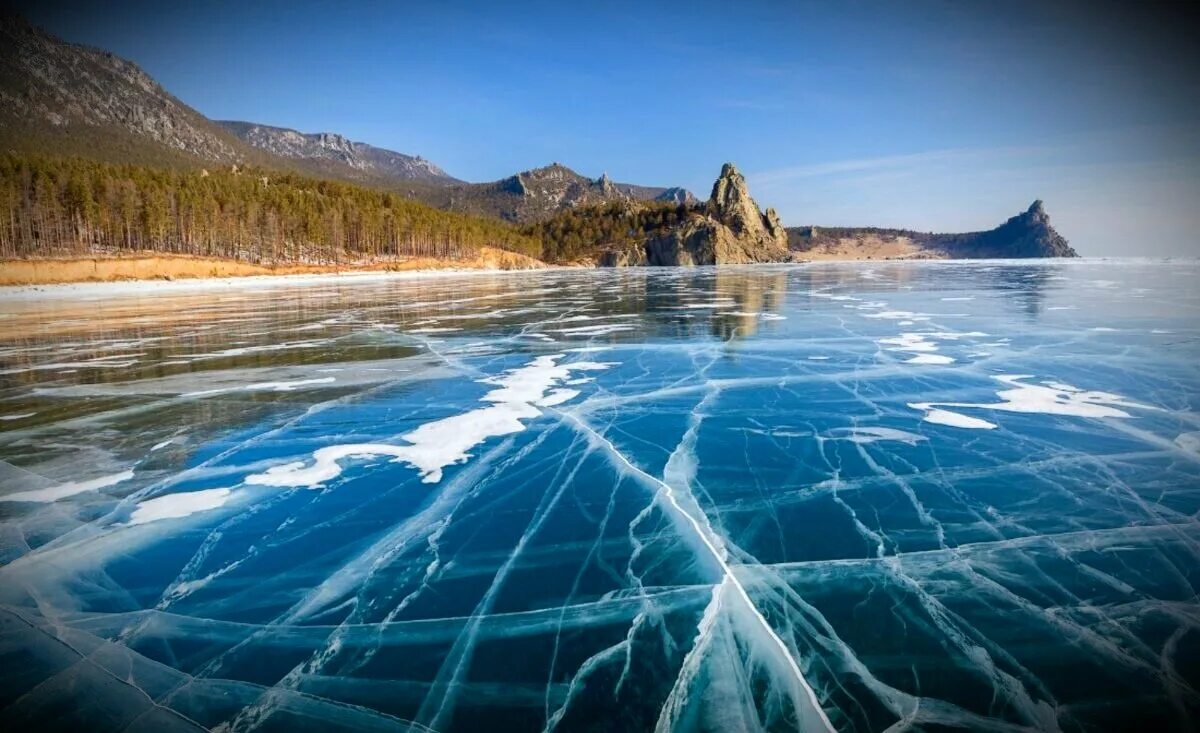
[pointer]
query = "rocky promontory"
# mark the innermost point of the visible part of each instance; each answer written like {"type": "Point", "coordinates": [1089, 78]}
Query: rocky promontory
{"type": "Point", "coordinates": [1026, 235]}
{"type": "Point", "coordinates": [729, 229]}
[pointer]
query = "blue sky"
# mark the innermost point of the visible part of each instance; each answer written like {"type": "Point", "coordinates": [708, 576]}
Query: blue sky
{"type": "Point", "coordinates": [931, 115]}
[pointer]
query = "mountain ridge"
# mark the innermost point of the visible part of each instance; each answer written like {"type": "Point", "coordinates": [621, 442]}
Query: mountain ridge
{"type": "Point", "coordinates": [76, 100]}
{"type": "Point", "coordinates": [290, 143]}
{"type": "Point", "coordinates": [539, 193]}
{"type": "Point", "coordinates": [72, 99]}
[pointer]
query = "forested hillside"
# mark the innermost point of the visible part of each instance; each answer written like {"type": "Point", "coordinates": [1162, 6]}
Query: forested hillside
{"type": "Point", "coordinates": [584, 233]}
{"type": "Point", "coordinates": [71, 206]}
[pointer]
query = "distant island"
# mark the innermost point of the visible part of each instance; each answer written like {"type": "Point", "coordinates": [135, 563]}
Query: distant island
{"type": "Point", "coordinates": [100, 167]}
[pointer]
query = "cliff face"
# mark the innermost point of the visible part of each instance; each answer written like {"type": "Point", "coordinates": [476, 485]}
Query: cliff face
{"type": "Point", "coordinates": [730, 229]}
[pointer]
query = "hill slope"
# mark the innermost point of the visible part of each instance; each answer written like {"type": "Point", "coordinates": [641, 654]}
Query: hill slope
{"type": "Point", "coordinates": [69, 99]}
{"type": "Point", "coordinates": [64, 98]}
{"type": "Point", "coordinates": [71, 207]}
{"type": "Point", "coordinates": [324, 147]}
{"type": "Point", "coordinates": [540, 193]}
{"type": "Point", "coordinates": [76, 99]}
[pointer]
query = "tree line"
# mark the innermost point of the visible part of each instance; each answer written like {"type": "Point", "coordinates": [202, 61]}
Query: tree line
{"type": "Point", "coordinates": [57, 206]}
{"type": "Point", "coordinates": [583, 232]}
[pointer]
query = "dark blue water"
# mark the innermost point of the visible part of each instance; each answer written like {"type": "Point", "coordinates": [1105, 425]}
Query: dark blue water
{"type": "Point", "coordinates": [850, 497]}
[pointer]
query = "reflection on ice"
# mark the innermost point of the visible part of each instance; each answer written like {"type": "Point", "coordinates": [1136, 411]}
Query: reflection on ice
{"type": "Point", "coordinates": [683, 500]}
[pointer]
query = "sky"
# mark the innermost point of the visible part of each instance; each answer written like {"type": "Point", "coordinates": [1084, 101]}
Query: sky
{"type": "Point", "coordinates": [937, 116]}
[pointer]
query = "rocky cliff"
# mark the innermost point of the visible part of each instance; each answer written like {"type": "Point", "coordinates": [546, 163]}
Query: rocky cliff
{"type": "Point", "coordinates": [329, 146]}
{"type": "Point", "coordinates": [728, 229]}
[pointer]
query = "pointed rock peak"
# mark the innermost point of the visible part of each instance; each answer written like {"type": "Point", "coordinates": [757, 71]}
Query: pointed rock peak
{"type": "Point", "coordinates": [730, 201]}
{"type": "Point", "coordinates": [1037, 208]}
{"type": "Point", "coordinates": [605, 184]}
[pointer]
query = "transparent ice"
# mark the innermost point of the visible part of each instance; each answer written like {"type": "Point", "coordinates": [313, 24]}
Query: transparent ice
{"type": "Point", "coordinates": [879, 496]}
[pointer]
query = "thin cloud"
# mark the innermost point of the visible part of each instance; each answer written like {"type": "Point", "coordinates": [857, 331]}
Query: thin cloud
{"type": "Point", "coordinates": [896, 163]}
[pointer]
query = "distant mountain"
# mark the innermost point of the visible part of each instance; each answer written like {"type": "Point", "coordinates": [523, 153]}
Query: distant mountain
{"type": "Point", "coordinates": [329, 146]}
{"type": "Point", "coordinates": [540, 193]}
{"type": "Point", "coordinates": [66, 98]}
{"type": "Point", "coordinates": [1028, 234]}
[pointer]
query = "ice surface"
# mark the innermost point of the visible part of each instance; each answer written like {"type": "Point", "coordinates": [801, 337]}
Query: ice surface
{"type": "Point", "coordinates": [905, 496]}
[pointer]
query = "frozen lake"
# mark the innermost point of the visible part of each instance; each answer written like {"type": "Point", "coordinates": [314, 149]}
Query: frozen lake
{"type": "Point", "coordinates": [839, 497]}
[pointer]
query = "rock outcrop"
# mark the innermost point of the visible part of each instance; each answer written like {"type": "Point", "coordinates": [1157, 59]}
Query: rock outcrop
{"type": "Point", "coordinates": [1027, 234]}
{"type": "Point", "coordinates": [730, 229]}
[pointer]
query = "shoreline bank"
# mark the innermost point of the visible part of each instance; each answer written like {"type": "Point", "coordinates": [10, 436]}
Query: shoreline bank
{"type": "Point", "coordinates": [162, 267]}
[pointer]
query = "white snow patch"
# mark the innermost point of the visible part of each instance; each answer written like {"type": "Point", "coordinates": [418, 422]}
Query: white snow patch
{"type": "Point", "coordinates": [54, 493]}
{"type": "Point", "coordinates": [939, 416]}
{"type": "Point", "coordinates": [285, 386]}
{"type": "Point", "coordinates": [175, 506]}
{"type": "Point", "coordinates": [873, 435]}
{"type": "Point", "coordinates": [594, 330]}
{"type": "Point", "coordinates": [1050, 398]}
{"type": "Point", "coordinates": [898, 315]}
{"type": "Point", "coordinates": [441, 443]}
{"type": "Point", "coordinates": [930, 359]}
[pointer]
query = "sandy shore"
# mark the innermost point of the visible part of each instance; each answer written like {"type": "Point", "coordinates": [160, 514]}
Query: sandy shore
{"type": "Point", "coordinates": [145, 275]}
{"type": "Point", "coordinates": [165, 267]}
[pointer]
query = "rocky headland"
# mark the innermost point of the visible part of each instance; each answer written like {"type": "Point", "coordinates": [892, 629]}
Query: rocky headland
{"type": "Point", "coordinates": [728, 229]}
{"type": "Point", "coordinates": [1028, 234]}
